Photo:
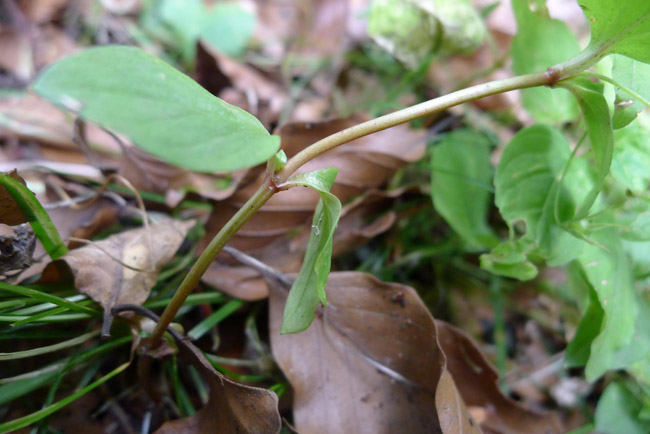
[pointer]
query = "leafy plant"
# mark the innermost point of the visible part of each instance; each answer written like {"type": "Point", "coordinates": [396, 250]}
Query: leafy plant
{"type": "Point", "coordinates": [558, 199]}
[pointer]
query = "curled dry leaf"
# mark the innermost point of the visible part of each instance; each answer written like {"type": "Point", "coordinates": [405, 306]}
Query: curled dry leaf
{"type": "Point", "coordinates": [364, 165]}
{"type": "Point", "coordinates": [99, 268]}
{"type": "Point", "coordinates": [369, 363]}
{"type": "Point", "coordinates": [231, 408]}
{"type": "Point", "coordinates": [476, 380]}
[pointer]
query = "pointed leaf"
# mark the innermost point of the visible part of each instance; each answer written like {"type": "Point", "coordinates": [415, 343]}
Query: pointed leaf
{"type": "Point", "coordinates": [618, 26]}
{"type": "Point", "coordinates": [309, 288]}
{"type": "Point", "coordinates": [599, 129]}
{"type": "Point", "coordinates": [162, 110]}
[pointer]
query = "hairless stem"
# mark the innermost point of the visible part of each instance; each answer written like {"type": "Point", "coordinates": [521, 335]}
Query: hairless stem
{"type": "Point", "coordinates": [270, 184]}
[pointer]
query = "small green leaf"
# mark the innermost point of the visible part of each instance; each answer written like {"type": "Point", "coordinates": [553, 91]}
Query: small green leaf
{"type": "Point", "coordinates": [540, 43]}
{"type": "Point", "coordinates": [618, 412]}
{"type": "Point", "coordinates": [509, 259]}
{"type": "Point", "coordinates": [636, 77]}
{"type": "Point", "coordinates": [228, 28]}
{"type": "Point", "coordinates": [279, 161]}
{"type": "Point", "coordinates": [37, 216]}
{"type": "Point", "coordinates": [610, 274]}
{"type": "Point", "coordinates": [618, 26]}
{"type": "Point", "coordinates": [162, 110]}
{"type": "Point", "coordinates": [185, 17]}
{"type": "Point", "coordinates": [599, 129]}
{"type": "Point", "coordinates": [461, 178]}
{"type": "Point", "coordinates": [631, 158]}
{"type": "Point", "coordinates": [531, 198]}
{"type": "Point", "coordinates": [309, 288]}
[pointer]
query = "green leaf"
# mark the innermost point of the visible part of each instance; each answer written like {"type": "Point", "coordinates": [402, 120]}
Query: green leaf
{"type": "Point", "coordinates": [636, 77]}
{"type": "Point", "coordinates": [162, 110]}
{"type": "Point", "coordinates": [48, 298]}
{"type": "Point", "coordinates": [540, 43]}
{"type": "Point", "coordinates": [631, 157]}
{"type": "Point", "coordinates": [309, 288]}
{"type": "Point", "coordinates": [509, 259]}
{"type": "Point", "coordinates": [529, 191]}
{"type": "Point", "coordinates": [185, 17]}
{"type": "Point", "coordinates": [618, 26]}
{"type": "Point", "coordinates": [618, 412]}
{"type": "Point", "coordinates": [461, 178]}
{"type": "Point", "coordinates": [228, 28]}
{"type": "Point", "coordinates": [610, 274]}
{"type": "Point", "coordinates": [37, 216]}
{"type": "Point", "coordinates": [599, 129]}
{"type": "Point", "coordinates": [579, 349]}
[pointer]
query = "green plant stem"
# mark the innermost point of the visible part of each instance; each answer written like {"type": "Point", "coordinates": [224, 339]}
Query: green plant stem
{"type": "Point", "coordinates": [411, 113]}
{"type": "Point", "coordinates": [269, 187]}
{"type": "Point", "coordinates": [615, 83]}
{"type": "Point", "coordinates": [253, 204]}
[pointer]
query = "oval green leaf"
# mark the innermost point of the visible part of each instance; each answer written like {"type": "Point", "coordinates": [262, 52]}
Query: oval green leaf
{"type": "Point", "coordinates": [162, 110]}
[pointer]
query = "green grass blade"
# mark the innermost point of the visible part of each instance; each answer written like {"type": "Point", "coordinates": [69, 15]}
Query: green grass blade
{"type": "Point", "coordinates": [36, 416]}
{"type": "Point", "coordinates": [223, 312]}
{"type": "Point", "coordinates": [49, 348]}
{"type": "Point", "coordinates": [37, 216]}
{"type": "Point", "coordinates": [48, 298]}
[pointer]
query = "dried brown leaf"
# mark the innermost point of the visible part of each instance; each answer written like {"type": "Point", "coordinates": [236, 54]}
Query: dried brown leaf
{"type": "Point", "coordinates": [10, 213]}
{"type": "Point", "coordinates": [231, 408]}
{"type": "Point", "coordinates": [369, 363]}
{"type": "Point", "coordinates": [476, 380]}
{"type": "Point", "coordinates": [16, 53]}
{"type": "Point", "coordinates": [98, 268]}
{"type": "Point", "coordinates": [30, 117]}
{"type": "Point", "coordinates": [149, 173]}
{"type": "Point", "coordinates": [42, 11]}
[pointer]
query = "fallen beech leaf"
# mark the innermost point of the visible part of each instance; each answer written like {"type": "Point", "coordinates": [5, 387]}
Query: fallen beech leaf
{"type": "Point", "coordinates": [231, 408]}
{"type": "Point", "coordinates": [98, 273]}
{"type": "Point", "coordinates": [10, 213]}
{"type": "Point", "coordinates": [303, 27]}
{"type": "Point", "coordinates": [30, 117]}
{"type": "Point", "coordinates": [476, 380]}
{"type": "Point", "coordinates": [16, 53]}
{"type": "Point", "coordinates": [369, 363]}
{"type": "Point", "coordinates": [42, 11]}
